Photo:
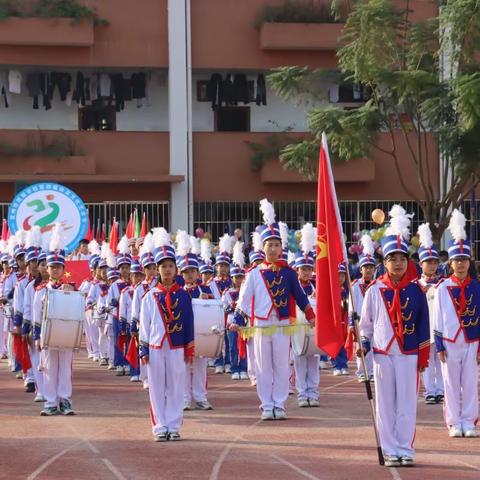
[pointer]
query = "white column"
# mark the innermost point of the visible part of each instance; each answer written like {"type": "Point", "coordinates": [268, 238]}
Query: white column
{"type": "Point", "coordinates": [180, 108]}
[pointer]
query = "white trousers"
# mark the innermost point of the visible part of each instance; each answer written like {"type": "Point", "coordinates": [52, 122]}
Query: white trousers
{"type": "Point", "coordinates": [432, 376]}
{"type": "Point", "coordinates": [251, 359]}
{"type": "Point", "coordinates": [396, 385]}
{"type": "Point", "coordinates": [103, 343]}
{"type": "Point", "coordinates": [110, 342]}
{"type": "Point", "coordinates": [166, 380]}
{"type": "Point", "coordinates": [368, 361]}
{"type": "Point", "coordinates": [91, 334]}
{"type": "Point", "coordinates": [57, 376]}
{"type": "Point", "coordinates": [3, 335]}
{"type": "Point", "coordinates": [196, 380]}
{"type": "Point", "coordinates": [460, 374]}
{"type": "Point", "coordinates": [307, 376]}
{"type": "Point", "coordinates": [272, 369]}
{"type": "Point", "coordinates": [37, 375]}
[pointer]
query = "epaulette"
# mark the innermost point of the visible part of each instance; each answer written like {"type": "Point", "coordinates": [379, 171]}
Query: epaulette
{"type": "Point", "coordinates": [40, 286]}
{"type": "Point", "coordinates": [440, 282]}
{"type": "Point", "coordinates": [125, 289]}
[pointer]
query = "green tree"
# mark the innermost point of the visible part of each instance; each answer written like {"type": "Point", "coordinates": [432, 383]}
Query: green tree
{"type": "Point", "coordinates": [424, 71]}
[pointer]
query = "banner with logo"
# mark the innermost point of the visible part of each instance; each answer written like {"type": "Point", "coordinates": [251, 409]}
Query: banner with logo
{"type": "Point", "coordinates": [45, 204]}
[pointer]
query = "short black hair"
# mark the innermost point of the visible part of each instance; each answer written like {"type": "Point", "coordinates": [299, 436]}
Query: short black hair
{"type": "Point", "coordinates": [386, 258]}
{"type": "Point", "coordinates": [84, 241]}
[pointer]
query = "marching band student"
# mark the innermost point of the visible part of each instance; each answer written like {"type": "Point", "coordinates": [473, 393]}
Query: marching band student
{"type": "Point", "coordinates": [307, 370]}
{"type": "Point", "coordinates": [166, 342]}
{"type": "Point", "coordinates": [230, 298]}
{"type": "Point", "coordinates": [150, 270]}
{"type": "Point", "coordinates": [429, 260]}
{"type": "Point", "coordinates": [219, 285]}
{"type": "Point", "coordinates": [83, 252]}
{"type": "Point", "coordinates": [32, 249]}
{"type": "Point", "coordinates": [57, 364]}
{"type": "Point", "coordinates": [267, 295]}
{"type": "Point", "coordinates": [196, 373]}
{"type": "Point", "coordinates": [125, 310]}
{"type": "Point", "coordinates": [457, 334]}
{"type": "Point", "coordinates": [96, 303]}
{"type": "Point", "coordinates": [394, 323]}
{"type": "Point", "coordinates": [359, 287]}
{"type": "Point", "coordinates": [205, 267]}
{"type": "Point", "coordinates": [255, 258]}
{"type": "Point", "coordinates": [123, 263]}
{"type": "Point", "coordinates": [4, 275]}
{"type": "Point", "coordinates": [340, 362]}
{"type": "Point", "coordinates": [9, 278]}
{"type": "Point", "coordinates": [27, 330]}
{"type": "Point", "coordinates": [112, 277]}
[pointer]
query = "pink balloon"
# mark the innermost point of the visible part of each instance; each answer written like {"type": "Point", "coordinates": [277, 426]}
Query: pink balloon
{"type": "Point", "coordinates": [356, 236]}
{"type": "Point", "coordinates": [351, 250]}
{"type": "Point", "coordinates": [200, 232]}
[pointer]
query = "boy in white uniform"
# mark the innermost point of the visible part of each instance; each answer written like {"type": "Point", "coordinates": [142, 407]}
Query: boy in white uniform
{"type": "Point", "coordinates": [429, 260]}
{"type": "Point", "coordinates": [57, 364]}
{"type": "Point", "coordinates": [267, 295]}
{"type": "Point", "coordinates": [457, 334]}
{"type": "Point", "coordinates": [394, 324]}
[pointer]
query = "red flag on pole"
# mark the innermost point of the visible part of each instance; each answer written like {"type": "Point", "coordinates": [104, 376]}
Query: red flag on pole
{"type": "Point", "coordinates": [113, 238]}
{"type": "Point", "coordinates": [144, 229]}
{"type": "Point", "coordinates": [330, 253]}
{"type": "Point", "coordinates": [76, 271]}
{"type": "Point", "coordinates": [89, 236]}
{"type": "Point", "coordinates": [5, 230]}
{"type": "Point", "coordinates": [132, 353]}
{"type": "Point", "coordinates": [130, 230]}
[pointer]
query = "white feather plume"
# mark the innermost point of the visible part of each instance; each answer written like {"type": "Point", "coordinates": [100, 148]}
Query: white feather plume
{"type": "Point", "coordinates": [195, 243]}
{"type": "Point", "coordinates": [290, 257]}
{"type": "Point", "coordinates": [257, 241]}
{"type": "Point", "coordinates": [94, 247]}
{"type": "Point", "coordinates": [104, 250]}
{"type": "Point", "coordinates": [123, 247]}
{"type": "Point", "coordinates": [12, 243]}
{"type": "Point", "coordinates": [110, 258]}
{"type": "Point", "coordinates": [20, 235]}
{"type": "Point", "coordinates": [58, 239]}
{"type": "Point", "coordinates": [399, 222]}
{"type": "Point", "coordinates": [309, 238]}
{"type": "Point", "coordinates": [238, 255]}
{"type": "Point", "coordinates": [206, 250]}
{"type": "Point", "coordinates": [148, 246]}
{"type": "Point", "coordinates": [161, 238]}
{"type": "Point", "coordinates": [457, 226]}
{"type": "Point", "coordinates": [367, 244]}
{"type": "Point", "coordinates": [268, 212]}
{"type": "Point", "coordinates": [33, 237]}
{"type": "Point", "coordinates": [45, 243]}
{"type": "Point", "coordinates": [283, 234]}
{"type": "Point", "coordinates": [425, 235]}
{"type": "Point", "coordinates": [225, 244]}
{"type": "Point", "coordinates": [183, 243]}
{"type": "Point", "coordinates": [3, 246]}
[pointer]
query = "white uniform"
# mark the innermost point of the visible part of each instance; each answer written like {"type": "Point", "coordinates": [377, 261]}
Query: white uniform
{"type": "Point", "coordinates": [396, 373]}
{"type": "Point", "coordinates": [34, 353]}
{"type": "Point", "coordinates": [358, 294]}
{"type": "Point", "coordinates": [97, 303]}
{"type": "Point", "coordinates": [166, 370]}
{"type": "Point", "coordinates": [3, 321]}
{"type": "Point", "coordinates": [460, 371]}
{"type": "Point", "coordinates": [57, 364]}
{"type": "Point", "coordinates": [8, 292]}
{"type": "Point", "coordinates": [91, 331]}
{"type": "Point", "coordinates": [432, 376]}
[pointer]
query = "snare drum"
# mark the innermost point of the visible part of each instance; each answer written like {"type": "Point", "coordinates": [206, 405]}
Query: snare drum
{"type": "Point", "coordinates": [209, 326]}
{"type": "Point", "coordinates": [63, 315]}
{"type": "Point", "coordinates": [303, 340]}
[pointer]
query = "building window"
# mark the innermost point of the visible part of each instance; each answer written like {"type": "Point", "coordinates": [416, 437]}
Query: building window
{"type": "Point", "coordinates": [232, 119]}
{"type": "Point", "coordinates": [98, 116]}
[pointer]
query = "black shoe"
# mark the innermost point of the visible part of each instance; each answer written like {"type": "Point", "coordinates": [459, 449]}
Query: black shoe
{"type": "Point", "coordinates": [174, 436]}
{"type": "Point", "coordinates": [30, 388]}
{"type": "Point", "coordinates": [49, 411]}
{"type": "Point", "coordinates": [439, 399]}
{"type": "Point", "coordinates": [66, 408]}
{"type": "Point", "coordinates": [431, 400]}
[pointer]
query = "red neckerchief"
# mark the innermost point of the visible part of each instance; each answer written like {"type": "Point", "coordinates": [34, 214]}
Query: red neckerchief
{"type": "Point", "coordinates": [168, 297]}
{"type": "Point", "coordinates": [462, 301]}
{"type": "Point", "coordinates": [276, 265]}
{"type": "Point", "coordinates": [395, 309]}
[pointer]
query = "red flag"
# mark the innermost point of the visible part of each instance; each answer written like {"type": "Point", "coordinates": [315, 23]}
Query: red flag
{"type": "Point", "coordinates": [130, 230]}
{"type": "Point", "coordinates": [113, 238]}
{"type": "Point", "coordinates": [5, 234]}
{"type": "Point", "coordinates": [330, 253]}
{"type": "Point", "coordinates": [144, 229]}
{"type": "Point", "coordinates": [103, 236]}
{"type": "Point", "coordinates": [26, 361]}
{"type": "Point", "coordinates": [89, 236]}
{"type": "Point", "coordinates": [132, 353]}
{"type": "Point", "coordinates": [76, 271]}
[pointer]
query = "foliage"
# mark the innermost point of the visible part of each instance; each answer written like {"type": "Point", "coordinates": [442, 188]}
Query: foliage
{"type": "Point", "coordinates": [296, 11]}
{"type": "Point", "coordinates": [424, 77]}
{"type": "Point", "coordinates": [49, 9]}
{"type": "Point", "coordinates": [39, 145]}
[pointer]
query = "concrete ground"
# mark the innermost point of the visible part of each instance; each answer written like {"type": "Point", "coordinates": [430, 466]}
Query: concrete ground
{"type": "Point", "coordinates": [110, 437]}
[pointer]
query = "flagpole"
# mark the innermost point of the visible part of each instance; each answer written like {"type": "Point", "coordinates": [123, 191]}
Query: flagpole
{"type": "Point", "coordinates": [368, 386]}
